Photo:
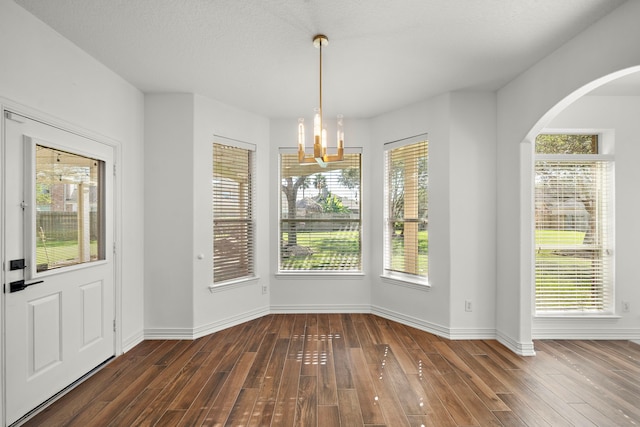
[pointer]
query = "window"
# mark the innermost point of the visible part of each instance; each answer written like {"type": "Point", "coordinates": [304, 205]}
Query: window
{"type": "Point", "coordinates": [573, 225]}
{"type": "Point", "coordinates": [69, 191]}
{"type": "Point", "coordinates": [320, 215]}
{"type": "Point", "coordinates": [406, 240]}
{"type": "Point", "coordinates": [233, 223]}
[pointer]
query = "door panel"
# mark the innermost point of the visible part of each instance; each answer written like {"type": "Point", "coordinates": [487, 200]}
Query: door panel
{"type": "Point", "coordinates": [59, 219]}
{"type": "Point", "coordinates": [92, 316]}
{"type": "Point", "coordinates": [44, 334]}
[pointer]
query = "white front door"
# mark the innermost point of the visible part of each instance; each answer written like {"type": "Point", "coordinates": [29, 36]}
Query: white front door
{"type": "Point", "coordinates": [59, 268]}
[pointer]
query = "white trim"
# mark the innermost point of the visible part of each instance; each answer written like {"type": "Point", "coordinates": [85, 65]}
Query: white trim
{"type": "Point", "coordinates": [320, 308]}
{"type": "Point", "coordinates": [319, 275]}
{"type": "Point", "coordinates": [574, 158]}
{"type": "Point", "coordinates": [132, 341]}
{"type": "Point", "coordinates": [414, 322]}
{"type": "Point", "coordinates": [223, 140]}
{"type": "Point", "coordinates": [575, 315]}
{"type": "Point", "coordinates": [406, 280]}
{"type": "Point", "coordinates": [2, 270]}
{"type": "Point", "coordinates": [233, 284]}
{"type": "Point", "coordinates": [519, 348]}
{"type": "Point", "coordinates": [168, 334]}
{"type": "Point", "coordinates": [201, 331]}
{"type": "Point", "coordinates": [435, 329]}
{"type": "Point", "coordinates": [219, 325]}
{"type": "Point", "coordinates": [406, 141]}
{"type": "Point", "coordinates": [606, 149]}
{"type": "Point", "coordinates": [577, 333]}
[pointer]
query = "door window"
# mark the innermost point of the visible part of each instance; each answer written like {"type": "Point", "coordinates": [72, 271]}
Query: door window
{"type": "Point", "coordinates": [68, 200]}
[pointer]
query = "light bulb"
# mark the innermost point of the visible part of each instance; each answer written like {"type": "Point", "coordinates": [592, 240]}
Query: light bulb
{"type": "Point", "coordinates": [301, 133]}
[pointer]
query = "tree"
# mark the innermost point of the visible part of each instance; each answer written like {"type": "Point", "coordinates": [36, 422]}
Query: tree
{"type": "Point", "coordinates": [566, 144]}
{"type": "Point", "coordinates": [574, 181]}
{"type": "Point", "coordinates": [290, 186]}
{"type": "Point", "coordinates": [43, 194]}
{"type": "Point", "coordinates": [305, 184]}
{"type": "Point", "coordinates": [320, 183]}
{"type": "Point", "coordinates": [350, 178]}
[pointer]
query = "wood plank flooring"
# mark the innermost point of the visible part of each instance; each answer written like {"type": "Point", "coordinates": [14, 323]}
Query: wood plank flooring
{"type": "Point", "coordinates": [355, 370]}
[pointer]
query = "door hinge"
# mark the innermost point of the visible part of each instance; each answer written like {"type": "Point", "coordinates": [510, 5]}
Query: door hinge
{"type": "Point", "coordinates": [114, 248]}
{"type": "Point", "coordinates": [114, 169]}
{"type": "Point", "coordinates": [114, 325]}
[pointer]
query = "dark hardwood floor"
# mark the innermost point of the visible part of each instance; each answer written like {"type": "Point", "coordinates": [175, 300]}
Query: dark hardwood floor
{"type": "Point", "coordinates": [355, 370]}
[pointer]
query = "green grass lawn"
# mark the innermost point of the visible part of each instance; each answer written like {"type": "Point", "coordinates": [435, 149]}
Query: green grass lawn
{"type": "Point", "coordinates": [330, 250]}
{"type": "Point", "coordinates": [340, 250]}
{"type": "Point", "coordinates": [559, 237]}
{"type": "Point", "coordinates": [568, 273]}
{"type": "Point", "coordinates": [62, 252]}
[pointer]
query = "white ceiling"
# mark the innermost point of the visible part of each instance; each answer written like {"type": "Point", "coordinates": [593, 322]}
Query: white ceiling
{"type": "Point", "coordinates": [257, 55]}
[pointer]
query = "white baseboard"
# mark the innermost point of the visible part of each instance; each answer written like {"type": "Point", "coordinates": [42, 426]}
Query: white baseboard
{"type": "Point", "coordinates": [200, 331]}
{"type": "Point", "coordinates": [320, 308]}
{"type": "Point", "coordinates": [519, 348]}
{"type": "Point", "coordinates": [570, 333]}
{"type": "Point", "coordinates": [132, 341]}
{"type": "Point", "coordinates": [204, 330]}
{"type": "Point", "coordinates": [414, 322]}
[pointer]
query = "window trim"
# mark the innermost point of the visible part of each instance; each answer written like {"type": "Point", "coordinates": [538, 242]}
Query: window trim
{"type": "Point", "coordinates": [413, 281]}
{"type": "Point", "coordinates": [238, 281]}
{"type": "Point", "coordinates": [319, 274]}
{"type": "Point", "coordinates": [406, 280]}
{"type": "Point", "coordinates": [605, 153]}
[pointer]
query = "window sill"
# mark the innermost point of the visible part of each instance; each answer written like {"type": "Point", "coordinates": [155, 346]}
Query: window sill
{"type": "Point", "coordinates": [590, 316]}
{"type": "Point", "coordinates": [232, 284]}
{"type": "Point", "coordinates": [407, 281]}
{"type": "Point", "coordinates": [319, 276]}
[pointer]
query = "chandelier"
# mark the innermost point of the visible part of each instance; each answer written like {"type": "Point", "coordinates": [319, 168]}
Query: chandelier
{"type": "Point", "coordinates": [320, 155]}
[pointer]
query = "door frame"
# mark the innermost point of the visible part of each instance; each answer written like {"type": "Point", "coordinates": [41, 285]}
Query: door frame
{"type": "Point", "coordinates": [47, 119]}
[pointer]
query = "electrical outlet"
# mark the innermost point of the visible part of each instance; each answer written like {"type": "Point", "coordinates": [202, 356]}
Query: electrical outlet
{"type": "Point", "coordinates": [626, 306]}
{"type": "Point", "coordinates": [265, 289]}
{"type": "Point", "coordinates": [467, 305]}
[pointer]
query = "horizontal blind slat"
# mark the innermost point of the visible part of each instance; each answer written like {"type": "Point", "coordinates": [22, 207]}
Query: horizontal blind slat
{"type": "Point", "coordinates": [572, 234]}
{"type": "Point", "coordinates": [406, 209]}
{"type": "Point", "coordinates": [320, 215]}
{"type": "Point", "coordinates": [233, 224]}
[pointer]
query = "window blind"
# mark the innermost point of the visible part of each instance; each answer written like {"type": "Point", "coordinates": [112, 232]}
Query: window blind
{"type": "Point", "coordinates": [573, 229]}
{"type": "Point", "coordinates": [233, 222]}
{"type": "Point", "coordinates": [406, 213]}
{"type": "Point", "coordinates": [320, 215]}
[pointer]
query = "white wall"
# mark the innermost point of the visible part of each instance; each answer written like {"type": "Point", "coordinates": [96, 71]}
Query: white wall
{"type": "Point", "coordinates": [619, 114]}
{"type": "Point", "coordinates": [462, 265]}
{"type": "Point", "coordinates": [58, 82]}
{"type": "Point", "coordinates": [168, 203]}
{"type": "Point", "coordinates": [49, 78]}
{"type": "Point", "coordinates": [472, 189]}
{"type": "Point", "coordinates": [427, 309]}
{"type": "Point", "coordinates": [239, 303]}
{"type": "Point", "coordinates": [180, 131]}
{"type": "Point", "coordinates": [525, 106]}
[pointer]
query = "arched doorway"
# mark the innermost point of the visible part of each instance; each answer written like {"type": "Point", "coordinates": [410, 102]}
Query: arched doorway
{"type": "Point", "coordinates": [608, 106]}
